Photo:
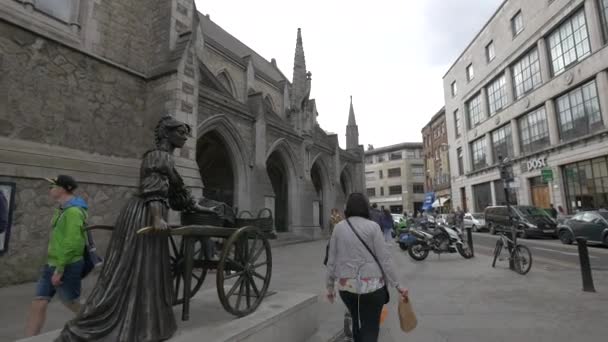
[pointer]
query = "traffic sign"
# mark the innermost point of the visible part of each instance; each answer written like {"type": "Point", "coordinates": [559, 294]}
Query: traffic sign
{"type": "Point", "coordinates": [547, 175]}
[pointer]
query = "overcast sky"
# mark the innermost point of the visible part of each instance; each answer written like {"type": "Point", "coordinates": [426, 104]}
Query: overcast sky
{"type": "Point", "coordinates": [390, 55]}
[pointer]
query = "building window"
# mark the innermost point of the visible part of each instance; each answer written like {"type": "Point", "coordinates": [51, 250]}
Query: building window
{"type": "Point", "coordinates": [454, 88]}
{"type": "Point", "coordinates": [517, 23]}
{"type": "Point", "coordinates": [394, 190]}
{"type": "Point", "coordinates": [59, 9]}
{"type": "Point", "coordinates": [526, 74]}
{"type": "Point", "coordinates": [381, 158]}
{"type": "Point", "coordinates": [418, 188]}
{"type": "Point", "coordinates": [457, 124]}
{"type": "Point", "coordinates": [482, 196]}
{"type": "Point", "coordinates": [604, 8]}
{"type": "Point", "coordinates": [418, 170]}
{"type": "Point", "coordinates": [371, 192]}
{"type": "Point", "coordinates": [369, 160]}
{"type": "Point", "coordinates": [534, 131]}
{"type": "Point", "coordinates": [474, 110]}
{"type": "Point", "coordinates": [490, 53]}
{"type": "Point", "coordinates": [381, 191]}
{"type": "Point", "coordinates": [586, 184]}
{"type": "Point", "coordinates": [470, 72]}
{"type": "Point", "coordinates": [370, 175]}
{"type": "Point", "coordinates": [395, 172]}
{"type": "Point", "coordinates": [478, 151]}
{"type": "Point", "coordinates": [412, 153]}
{"type": "Point", "coordinates": [497, 94]}
{"type": "Point", "coordinates": [579, 112]}
{"type": "Point", "coordinates": [396, 156]}
{"type": "Point", "coordinates": [380, 175]}
{"type": "Point", "coordinates": [502, 142]}
{"type": "Point", "coordinates": [501, 198]}
{"type": "Point", "coordinates": [460, 161]}
{"type": "Point", "coordinates": [569, 43]}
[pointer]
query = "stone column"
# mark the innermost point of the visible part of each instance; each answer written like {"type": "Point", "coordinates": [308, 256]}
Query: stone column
{"type": "Point", "coordinates": [602, 90]}
{"type": "Point", "coordinates": [489, 151]}
{"type": "Point", "coordinates": [594, 24]}
{"type": "Point", "coordinates": [515, 138]}
{"type": "Point", "coordinates": [544, 59]}
{"type": "Point", "coordinates": [510, 86]}
{"type": "Point", "coordinates": [552, 122]}
{"type": "Point", "coordinates": [485, 109]}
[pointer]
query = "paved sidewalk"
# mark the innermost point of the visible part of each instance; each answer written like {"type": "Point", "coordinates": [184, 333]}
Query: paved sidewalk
{"type": "Point", "coordinates": [455, 299]}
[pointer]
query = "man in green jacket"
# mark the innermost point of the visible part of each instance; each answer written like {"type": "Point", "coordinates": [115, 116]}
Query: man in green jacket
{"type": "Point", "coordinates": [62, 273]}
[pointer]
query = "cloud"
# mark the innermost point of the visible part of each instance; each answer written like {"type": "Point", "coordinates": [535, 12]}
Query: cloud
{"type": "Point", "coordinates": [449, 26]}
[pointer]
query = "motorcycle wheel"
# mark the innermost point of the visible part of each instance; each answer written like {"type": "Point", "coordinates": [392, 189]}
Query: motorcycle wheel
{"type": "Point", "coordinates": [418, 252]}
{"type": "Point", "coordinates": [403, 246]}
{"type": "Point", "coordinates": [465, 252]}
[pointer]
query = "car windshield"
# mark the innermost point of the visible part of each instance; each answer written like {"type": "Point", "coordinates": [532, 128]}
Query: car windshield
{"type": "Point", "coordinates": [478, 216]}
{"type": "Point", "coordinates": [532, 211]}
{"type": "Point", "coordinates": [603, 214]}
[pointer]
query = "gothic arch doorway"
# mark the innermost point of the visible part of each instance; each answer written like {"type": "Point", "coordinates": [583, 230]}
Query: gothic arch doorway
{"type": "Point", "coordinates": [316, 175]}
{"type": "Point", "coordinates": [346, 182]}
{"type": "Point", "coordinates": [216, 168]}
{"type": "Point", "coordinates": [278, 174]}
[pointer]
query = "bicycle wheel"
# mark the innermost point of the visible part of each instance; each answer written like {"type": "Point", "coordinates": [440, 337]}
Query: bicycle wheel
{"type": "Point", "coordinates": [522, 259]}
{"type": "Point", "coordinates": [497, 251]}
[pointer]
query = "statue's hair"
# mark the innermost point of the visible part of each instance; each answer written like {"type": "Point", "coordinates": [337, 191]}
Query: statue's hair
{"type": "Point", "coordinates": [165, 124]}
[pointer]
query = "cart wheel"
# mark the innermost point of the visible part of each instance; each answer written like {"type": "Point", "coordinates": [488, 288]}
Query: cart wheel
{"type": "Point", "coordinates": [244, 270]}
{"type": "Point", "coordinates": [176, 250]}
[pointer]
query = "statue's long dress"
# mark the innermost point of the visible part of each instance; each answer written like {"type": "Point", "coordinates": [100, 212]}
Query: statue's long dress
{"type": "Point", "coordinates": [132, 300]}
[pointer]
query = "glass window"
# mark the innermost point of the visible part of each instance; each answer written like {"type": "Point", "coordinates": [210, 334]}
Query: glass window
{"type": "Point", "coordinates": [475, 111]}
{"type": "Point", "coordinates": [381, 191]}
{"type": "Point", "coordinates": [482, 196]}
{"type": "Point", "coordinates": [586, 184]}
{"type": "Point", "coordinates": [418, 170]}
{"type": "Point", "coordinates": [579, 112]}
{"type": "Point", "coordinates": [412, 153]}
{"type": "Point", "coordinates": [369, 160]}
{"type": "Point", "coordinates": [569, 43]}
{"type": "Point", "coordinates": [478, 151]}
{"type": "Point", "coordinates": [501, 198]}
{"type": "Point", "coordinates": [381, 158]}
{"type": "Point", "coordinates": [460, 161]}
{"type": "Point", "coordinates": [371, 192]}
{"type": "Point", "coordinates": [534, 132]}
{"type": "Point", "coordinates": [394, 190]}
{"type": "Point", "coordinates": [470, 72]}
{"type": "Point", "coordinates": [502, 143]}
{"type": "Point", "coordinates": [380, 174]}
{"type": "Point", "coordinates": [517, 23]}
{"type": "Point", "coordinates": [60, 9]}
{"type": "Point", "coordinates": [490, 53]}
{"type": "Point", "coordinates": [395, 156]}
{"type": "Point", "coordinates": [418, 188]}
{"type": "Point", "coordinates": [497, 94]}
{"type": "Point", "coordinates": [604, 9]}
{"type": "Point", "coordinates": [395, 172]}
{"type": "Point", "coordinates": [454, 89]}
{"type": "Point", "coordinates": [526, 74]}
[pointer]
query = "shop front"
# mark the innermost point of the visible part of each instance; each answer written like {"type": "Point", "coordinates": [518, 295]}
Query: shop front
{"type": "Point", "coordinates": [586, 184]}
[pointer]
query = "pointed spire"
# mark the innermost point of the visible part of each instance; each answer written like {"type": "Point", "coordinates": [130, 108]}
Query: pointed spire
{"type": "Point", "coordinates": [301, 79]}
{"type": "Point", "coordinates": [351, 114]}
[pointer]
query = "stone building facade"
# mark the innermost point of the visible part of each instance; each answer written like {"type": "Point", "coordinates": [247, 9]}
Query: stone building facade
{"type": "Point", "coordinates": [84, 82]}
{"type": "Point", "coordinates": [532, 87]}
{"type": "Point", "coordinates": [394, 177]}
{"type": "Point", "coordinates": [436, 160]}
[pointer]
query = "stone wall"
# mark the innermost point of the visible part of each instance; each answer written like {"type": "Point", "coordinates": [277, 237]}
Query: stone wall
{"type": "Point", "coordinates": [105, 112]}
{"type": "Point", "coordinates": [31, 224]}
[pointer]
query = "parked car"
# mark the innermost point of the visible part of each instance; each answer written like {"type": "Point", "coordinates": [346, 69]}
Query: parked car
{"type": "Point", "coordinates": [528, 220]}
{"type": "Point", "coordinates": [592, 225]}
{"type": "Point", "coordinates": [396, 219]}
{"type": "Point", "coordinates": [475, 221]}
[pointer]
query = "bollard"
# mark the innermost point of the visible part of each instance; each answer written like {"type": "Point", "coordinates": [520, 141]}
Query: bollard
{"type": "Point", "coordinates": [583, 254]}
{"type": "Point", "coordinates": [470, 240]}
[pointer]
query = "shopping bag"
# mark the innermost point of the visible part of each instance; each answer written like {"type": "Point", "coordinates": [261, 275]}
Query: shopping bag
{"type": "Point", "coordinates": [383, 314]}
{"type": "Point", "coordinates": [407, 317]}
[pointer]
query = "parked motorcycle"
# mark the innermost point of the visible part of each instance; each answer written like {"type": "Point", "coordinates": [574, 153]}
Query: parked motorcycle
{"type": "Point", "coordinates": [441, 239]}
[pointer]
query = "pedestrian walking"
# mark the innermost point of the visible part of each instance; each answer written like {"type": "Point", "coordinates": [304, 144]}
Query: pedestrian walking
{"type": "Point", "coordinates": [375, 214]}
{"type": "Point", "coordinates": [387, 225]}
{"type": "Point", "coordinates": [62, 273]}
{"type": "Point", "coordinates": [360, 268]}
{"type": "Point", "coordinates": [553, 211]}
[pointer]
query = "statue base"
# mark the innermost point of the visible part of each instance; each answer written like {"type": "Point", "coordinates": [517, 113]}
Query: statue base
{"type": "Point", "coordinates": [283, 316]}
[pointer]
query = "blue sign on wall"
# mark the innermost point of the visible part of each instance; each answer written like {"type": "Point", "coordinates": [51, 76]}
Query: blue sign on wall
{"type": "Point", "coordinates": [429, 198]}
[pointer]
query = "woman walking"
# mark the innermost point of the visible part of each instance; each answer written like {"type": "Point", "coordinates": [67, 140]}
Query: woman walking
{"type": "Point", "coordinates": [359, 266]}
{"type": "Point", "coordinates": [387, 225]}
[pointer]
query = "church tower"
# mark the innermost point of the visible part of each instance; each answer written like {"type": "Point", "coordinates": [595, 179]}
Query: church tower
{"type": "Point", "coordinates": [352, 131]}
{"type": "Point", "coordinates": [300, 90]}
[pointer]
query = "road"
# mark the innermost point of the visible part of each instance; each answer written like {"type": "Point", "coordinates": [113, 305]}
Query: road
{"type": "Point", "coordinates": [548, 252]}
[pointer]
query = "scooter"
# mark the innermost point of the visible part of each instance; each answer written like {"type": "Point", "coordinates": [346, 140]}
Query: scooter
{"type": "Point", "coordinates": [443, 239]}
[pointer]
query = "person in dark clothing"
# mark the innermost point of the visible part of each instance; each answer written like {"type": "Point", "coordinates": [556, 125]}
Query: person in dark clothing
{"type": "Point", "coordinates": [387, 225]}
{"type": "Point", "coordinates": [3, 213]}
{"type": "Point", "coordinates": [375, 214]}
{"type": "Point", "coordinates": [553, 211]}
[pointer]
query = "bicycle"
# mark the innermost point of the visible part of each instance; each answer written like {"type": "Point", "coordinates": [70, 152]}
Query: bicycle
{"type": "Point", "coordinates": [520, 254]}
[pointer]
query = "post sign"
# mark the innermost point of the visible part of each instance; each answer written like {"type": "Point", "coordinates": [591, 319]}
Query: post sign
{"type": "Point", "coordinates": [547, 175]}
{"type": "Point", "coordinates": [536, 163]}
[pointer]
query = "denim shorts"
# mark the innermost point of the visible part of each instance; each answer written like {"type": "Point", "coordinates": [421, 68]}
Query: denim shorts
{"type": "Point", "coordinates": [69, 290]}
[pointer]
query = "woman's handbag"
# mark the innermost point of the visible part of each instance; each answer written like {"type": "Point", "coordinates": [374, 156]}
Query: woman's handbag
{"type": "Point", "coordinates": [407, 317]}
{"type": "Point", "coordinates": [388, 295]}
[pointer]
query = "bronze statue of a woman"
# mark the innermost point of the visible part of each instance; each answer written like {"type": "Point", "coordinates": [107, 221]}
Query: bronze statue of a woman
{"type": "Point", "coordinates": [132, 300]}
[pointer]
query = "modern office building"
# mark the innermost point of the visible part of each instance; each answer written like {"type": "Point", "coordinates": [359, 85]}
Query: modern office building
{"type": "Point", "coordinates": [394, 177]}
{"type": "Point", "coordinates": [532, 86]}
{"type": "Point", "coordinates": [436, 160]}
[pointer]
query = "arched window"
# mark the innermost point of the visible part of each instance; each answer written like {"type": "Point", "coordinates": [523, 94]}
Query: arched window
{"type": "Point", "coordinates": [226, 81]}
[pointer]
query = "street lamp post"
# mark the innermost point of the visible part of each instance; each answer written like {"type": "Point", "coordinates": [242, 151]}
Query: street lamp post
{"type": "Point", "coordinates": [506, 174]}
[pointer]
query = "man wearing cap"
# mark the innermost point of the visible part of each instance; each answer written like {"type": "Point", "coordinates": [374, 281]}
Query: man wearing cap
{"type": "Point", "coordinates": [62, 273]}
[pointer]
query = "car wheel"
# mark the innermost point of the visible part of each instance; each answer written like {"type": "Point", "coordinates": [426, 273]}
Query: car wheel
{"type": "Point", "coordinates": [566, 237]}
{"type": "Point", "coordinates": [492, 229]}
